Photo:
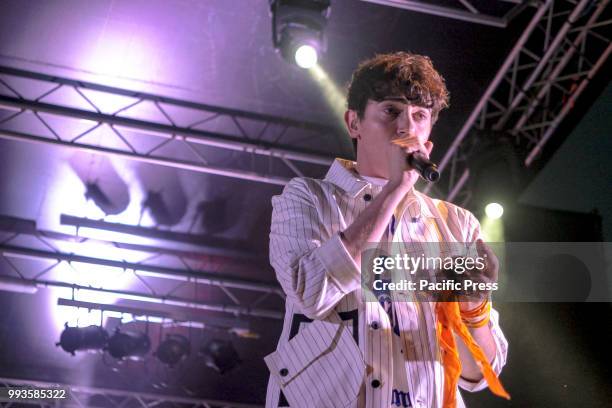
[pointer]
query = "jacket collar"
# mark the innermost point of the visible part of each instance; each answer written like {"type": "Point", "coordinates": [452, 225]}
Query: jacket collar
{"type": "Point", "coordinates": [343, 174]}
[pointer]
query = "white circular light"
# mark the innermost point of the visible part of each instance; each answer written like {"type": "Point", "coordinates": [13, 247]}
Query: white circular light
{"type": "Point", "coordinates": [306, 56]}
{"type": "Point", "coordinates": [494, 210]}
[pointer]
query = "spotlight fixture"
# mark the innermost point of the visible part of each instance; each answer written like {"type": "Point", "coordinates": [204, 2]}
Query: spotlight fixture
{"type": "Point", "coordinates": [306, 56]}
{"type": "Point", "coordinates": [128, 344]}
{"type": "Point", "coordinates": [165, 209]}
{"type": "Point", "coordinates": [94, 192]}
{"type": "Point", "coordinates": [104, 186]}
{"type": "Point", "coordinates": [494, 210]}
{"type": "Point", "coordinates": [173, 349]}
{"type": "Point", "coordinates": [298, 30]}
{"type": "Point", "coordinates": [494, 157]}
{"type": "Point", "coordinates": [220, 355]}
{"type": "Point", "coordinates": [82, 338]}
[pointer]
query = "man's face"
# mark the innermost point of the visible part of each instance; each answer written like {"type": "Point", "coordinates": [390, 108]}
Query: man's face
{"type": "Point", "coordinates": [391, 121]}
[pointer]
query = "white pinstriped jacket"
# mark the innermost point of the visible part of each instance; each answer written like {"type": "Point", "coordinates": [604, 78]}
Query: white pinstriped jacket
{"type": "Point", "coordinates": [335, 349]}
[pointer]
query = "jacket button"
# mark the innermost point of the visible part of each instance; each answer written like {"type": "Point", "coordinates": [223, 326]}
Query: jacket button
{"type": "Point", "coordinates": [367, 197]}
{"type": "Point", "coordinates": [283, 372]}
{"type": "Point", "coordinates": [374, 325]}
{"type": "Point", "coordinates": [375, 383]}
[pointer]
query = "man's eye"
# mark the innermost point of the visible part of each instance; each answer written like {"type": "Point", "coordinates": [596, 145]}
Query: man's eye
{"type": "Point", "coordinates": [420, 116]}
{"type": "Point", "coordinates": [391, 111]}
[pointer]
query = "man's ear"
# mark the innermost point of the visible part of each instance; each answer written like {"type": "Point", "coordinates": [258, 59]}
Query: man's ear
{"type": "Point", "coordinates": [351, 121]}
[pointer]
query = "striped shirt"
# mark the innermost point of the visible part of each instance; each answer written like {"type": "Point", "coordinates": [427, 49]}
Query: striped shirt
{"type": "Point", "coordinates": [336, 349]}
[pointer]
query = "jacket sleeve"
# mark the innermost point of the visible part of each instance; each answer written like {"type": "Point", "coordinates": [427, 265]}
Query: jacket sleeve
{"type": "Point", "coordinates": [472, 228]}
{"type": "Point", "coordinates": [312, 265]}
{"type": "Point", "coordinates": [501, 353]}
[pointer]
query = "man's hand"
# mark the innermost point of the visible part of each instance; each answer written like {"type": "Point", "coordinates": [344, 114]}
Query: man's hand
{"type": "Point", "coordinates": [401, 175]}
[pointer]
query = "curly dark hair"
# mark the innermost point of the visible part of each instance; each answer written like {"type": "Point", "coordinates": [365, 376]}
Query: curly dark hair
{"type": "Point", "coordinates": [397, 74]}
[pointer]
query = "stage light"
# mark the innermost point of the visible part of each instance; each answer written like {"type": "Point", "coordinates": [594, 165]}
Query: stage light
{"type": "Point", "coordinates": [105, 190]}
{"type": "Point", "coordinates": [306, 56]}
{"type": "Point", "coordinates": [220, 355]}
{"type": "Point", "coordinates": [128, 344]}
{"type": "Point", "coordinates": [494, 210]}
{"type": "Point", "coordinates": [173, 349]}
{"type": "Point", "coordinates": [494, 158]}
{"type": "Point", "coordinates": [82, 338]}
{"type": "Point", "coordinates": [298, 29]}
{"type": "Point", "coordinates": [165, 208]}
{"type": "Point", "coordinates": [94, 192]}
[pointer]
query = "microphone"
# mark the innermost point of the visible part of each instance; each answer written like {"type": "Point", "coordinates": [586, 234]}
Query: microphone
{"type": "Point", "coordinates": [427, 169]}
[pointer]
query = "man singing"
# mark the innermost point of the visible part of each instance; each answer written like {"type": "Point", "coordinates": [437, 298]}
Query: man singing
{"type": "Point", "coordinates": [337, 349]}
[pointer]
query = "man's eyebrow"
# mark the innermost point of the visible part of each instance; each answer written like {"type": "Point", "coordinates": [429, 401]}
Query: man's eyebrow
{"type": "Point", "coordinates": [403, 100]}
{"type": "Point", "coordinates": [396, 99]}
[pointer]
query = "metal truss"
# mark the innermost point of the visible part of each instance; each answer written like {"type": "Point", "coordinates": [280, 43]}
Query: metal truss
{"type": "Point", "coordinates": [157, 126]}
{"type": "Point", "coordinates": [177, 277]}
{"type": "Point", "coordinates": [465, 10]}
{"type": "Point", "coordinates": [81, 396]}
{"type": "Point", "coordinates": [164, 317]}
{"type": "Point", "coordinates": [195, 248]}
{"type": "Point", "coordinates": [215, 246]}
{"type": "Point", "coordinates": [562, 48]}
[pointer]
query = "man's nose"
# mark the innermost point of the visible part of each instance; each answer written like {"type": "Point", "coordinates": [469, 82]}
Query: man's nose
{"type": "Point", "coordinates": [405, 124]}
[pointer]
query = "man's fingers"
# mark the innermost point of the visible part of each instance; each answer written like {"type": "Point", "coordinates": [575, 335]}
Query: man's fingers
{"type": "Point", "coordinates": [487, 253]}
{"type": "Point", "coordinates": [482, 248]}
{"type": "Point", "coordinates": [411, 145]}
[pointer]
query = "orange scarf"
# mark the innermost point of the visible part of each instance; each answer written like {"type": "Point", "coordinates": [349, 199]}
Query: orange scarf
{"type": "Point", "coordinates": [449, 322]}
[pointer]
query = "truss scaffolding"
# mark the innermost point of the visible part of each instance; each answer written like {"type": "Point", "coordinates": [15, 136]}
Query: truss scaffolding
{"type": "Point", "coordinates": [463, 10]}
{"type": "Point", "coordinates": [236, 290]}
{"type": "Point", "coordinates": [562, 48]}
{"type": "Point", "coordinates": [151, 128]}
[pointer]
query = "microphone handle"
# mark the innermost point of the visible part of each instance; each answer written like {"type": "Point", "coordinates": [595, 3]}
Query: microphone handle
{"type": "Point", "coordinates": [427, 169]}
